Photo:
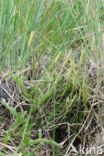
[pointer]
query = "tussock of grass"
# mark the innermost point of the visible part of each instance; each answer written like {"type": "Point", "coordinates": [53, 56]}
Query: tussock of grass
{"type": "Point", "coordinates": [51, 81]}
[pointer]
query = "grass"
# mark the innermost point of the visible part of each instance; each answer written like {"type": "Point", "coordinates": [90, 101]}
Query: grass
{"type": "Point", "coordinates": [51, 65]}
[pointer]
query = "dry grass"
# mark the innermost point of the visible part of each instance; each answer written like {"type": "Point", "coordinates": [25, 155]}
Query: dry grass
{"type": "Point", "coordinates": [52, 87]}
